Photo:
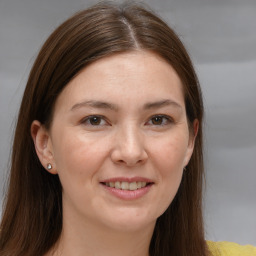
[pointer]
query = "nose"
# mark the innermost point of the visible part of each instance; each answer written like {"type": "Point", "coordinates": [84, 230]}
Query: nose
{"type": "Point", "coordinates": [129, 148]}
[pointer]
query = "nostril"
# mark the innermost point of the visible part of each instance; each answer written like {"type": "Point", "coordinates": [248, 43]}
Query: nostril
{"type": "Point", "coordinates": [129, 155]}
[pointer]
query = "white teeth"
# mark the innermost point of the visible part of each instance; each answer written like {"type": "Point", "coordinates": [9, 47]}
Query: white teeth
{"type": "Point", "coordinates": [117, 184]}
{"type": "Point", "coordinates": [133, 186]}
{"type": "Point", "coordinates": [124, 185]}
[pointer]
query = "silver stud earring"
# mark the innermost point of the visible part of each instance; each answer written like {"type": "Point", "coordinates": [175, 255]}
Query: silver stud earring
{"type": "Point", "coordinates": [49, 166]}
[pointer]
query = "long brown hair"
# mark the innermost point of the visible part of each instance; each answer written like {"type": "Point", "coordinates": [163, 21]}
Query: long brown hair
{"type": "Point", "coordinates": [32, 216]}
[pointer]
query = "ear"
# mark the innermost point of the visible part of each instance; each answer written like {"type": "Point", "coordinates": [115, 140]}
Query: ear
{"type": "Point", "coordinates": [191, 142]}
{"type": "Point", "coordinates": [43, 145]}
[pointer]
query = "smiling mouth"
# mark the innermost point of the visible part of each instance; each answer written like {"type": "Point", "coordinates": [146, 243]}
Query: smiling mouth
{"type": "Point", "coordinates": [124, 185]}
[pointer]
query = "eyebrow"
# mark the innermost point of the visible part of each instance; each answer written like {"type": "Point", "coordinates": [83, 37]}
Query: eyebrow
{"type": "Point", "coordinates": [161, 103]}
{"type": "Point", "coordinates": [95, 104]}
{"type": "Point", "coordinates": [111, 106]}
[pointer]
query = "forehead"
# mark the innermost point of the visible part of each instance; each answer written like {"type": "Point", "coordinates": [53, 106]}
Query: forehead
{"type": "Point", "coordinates": [133, 77]}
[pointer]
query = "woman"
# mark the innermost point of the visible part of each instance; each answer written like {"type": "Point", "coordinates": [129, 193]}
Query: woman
{"type": "Point", "coordinates": [107, 155]}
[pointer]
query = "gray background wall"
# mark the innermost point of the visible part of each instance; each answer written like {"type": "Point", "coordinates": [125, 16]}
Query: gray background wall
{"type": "Point", "coordinates": [221, 38]}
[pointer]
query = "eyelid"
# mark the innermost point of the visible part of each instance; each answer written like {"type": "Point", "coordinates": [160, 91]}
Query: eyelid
{"type": "Point", "coordinates": [170, 120]}
{"type": "Point", "coordinates": [87, 118]}
{"type": "Point", "coordinates": [84, 120]}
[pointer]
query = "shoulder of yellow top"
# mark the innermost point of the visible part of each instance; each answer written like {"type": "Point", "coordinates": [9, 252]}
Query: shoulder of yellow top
{"type": "Point", "coordinates": [230, 249]}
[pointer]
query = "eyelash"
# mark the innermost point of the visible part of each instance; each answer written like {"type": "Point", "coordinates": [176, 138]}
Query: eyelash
{"type": "Point", "coordinates": [89, 119]}
{"type": "Point", "coordinates": [168, 120]}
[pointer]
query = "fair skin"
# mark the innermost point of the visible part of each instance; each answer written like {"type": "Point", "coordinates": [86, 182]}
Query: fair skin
{"type": "Point", "coordinates": [120, 122]}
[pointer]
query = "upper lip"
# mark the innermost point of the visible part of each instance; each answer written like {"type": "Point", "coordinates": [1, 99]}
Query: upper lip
{"type": "Point", "coordinates": [127, 179]}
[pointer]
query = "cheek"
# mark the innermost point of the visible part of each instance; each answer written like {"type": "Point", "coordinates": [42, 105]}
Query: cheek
{"type": "Point", "coordinates": [168, 158]}
{"type": "Point", "coordinates": [169, 154]}
{"type": "Point", "coordinates": [171, 167]}
{"type": "Point", "coordinates": [77, 157]}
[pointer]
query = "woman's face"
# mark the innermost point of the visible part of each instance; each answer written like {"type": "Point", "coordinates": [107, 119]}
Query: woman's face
{"type": "Point", "coordinates": [119, 141]}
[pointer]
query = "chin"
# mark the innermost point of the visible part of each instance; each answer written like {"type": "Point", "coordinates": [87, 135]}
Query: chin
{"type": "Point", "coordinates": [130, 219]}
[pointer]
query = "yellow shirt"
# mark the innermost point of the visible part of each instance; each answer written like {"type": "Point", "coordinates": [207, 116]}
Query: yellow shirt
{"type": "Point", "coordinates": [231, 249]}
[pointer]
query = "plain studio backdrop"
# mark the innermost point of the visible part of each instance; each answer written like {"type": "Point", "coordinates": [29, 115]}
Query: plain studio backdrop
{"type": "Point", "coordinates": [221, 39]}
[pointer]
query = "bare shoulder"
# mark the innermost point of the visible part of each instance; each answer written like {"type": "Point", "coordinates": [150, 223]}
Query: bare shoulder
{"type": "Point", "coordinates": [231, 249]}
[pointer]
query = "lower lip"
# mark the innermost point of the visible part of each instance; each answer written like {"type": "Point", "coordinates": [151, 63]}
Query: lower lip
{"type": "Point", "coordinates": [128, 194]}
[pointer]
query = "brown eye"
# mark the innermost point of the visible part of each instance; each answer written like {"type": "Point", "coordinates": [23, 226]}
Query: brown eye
{"type": "Point", "coordinates": [95, 120]}
{"type": "Point", "coordinates": [158, 120]}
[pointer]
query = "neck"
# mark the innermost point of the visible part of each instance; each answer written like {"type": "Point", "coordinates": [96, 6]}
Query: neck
{"type": "Point", "coordinates": [86, 239]}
